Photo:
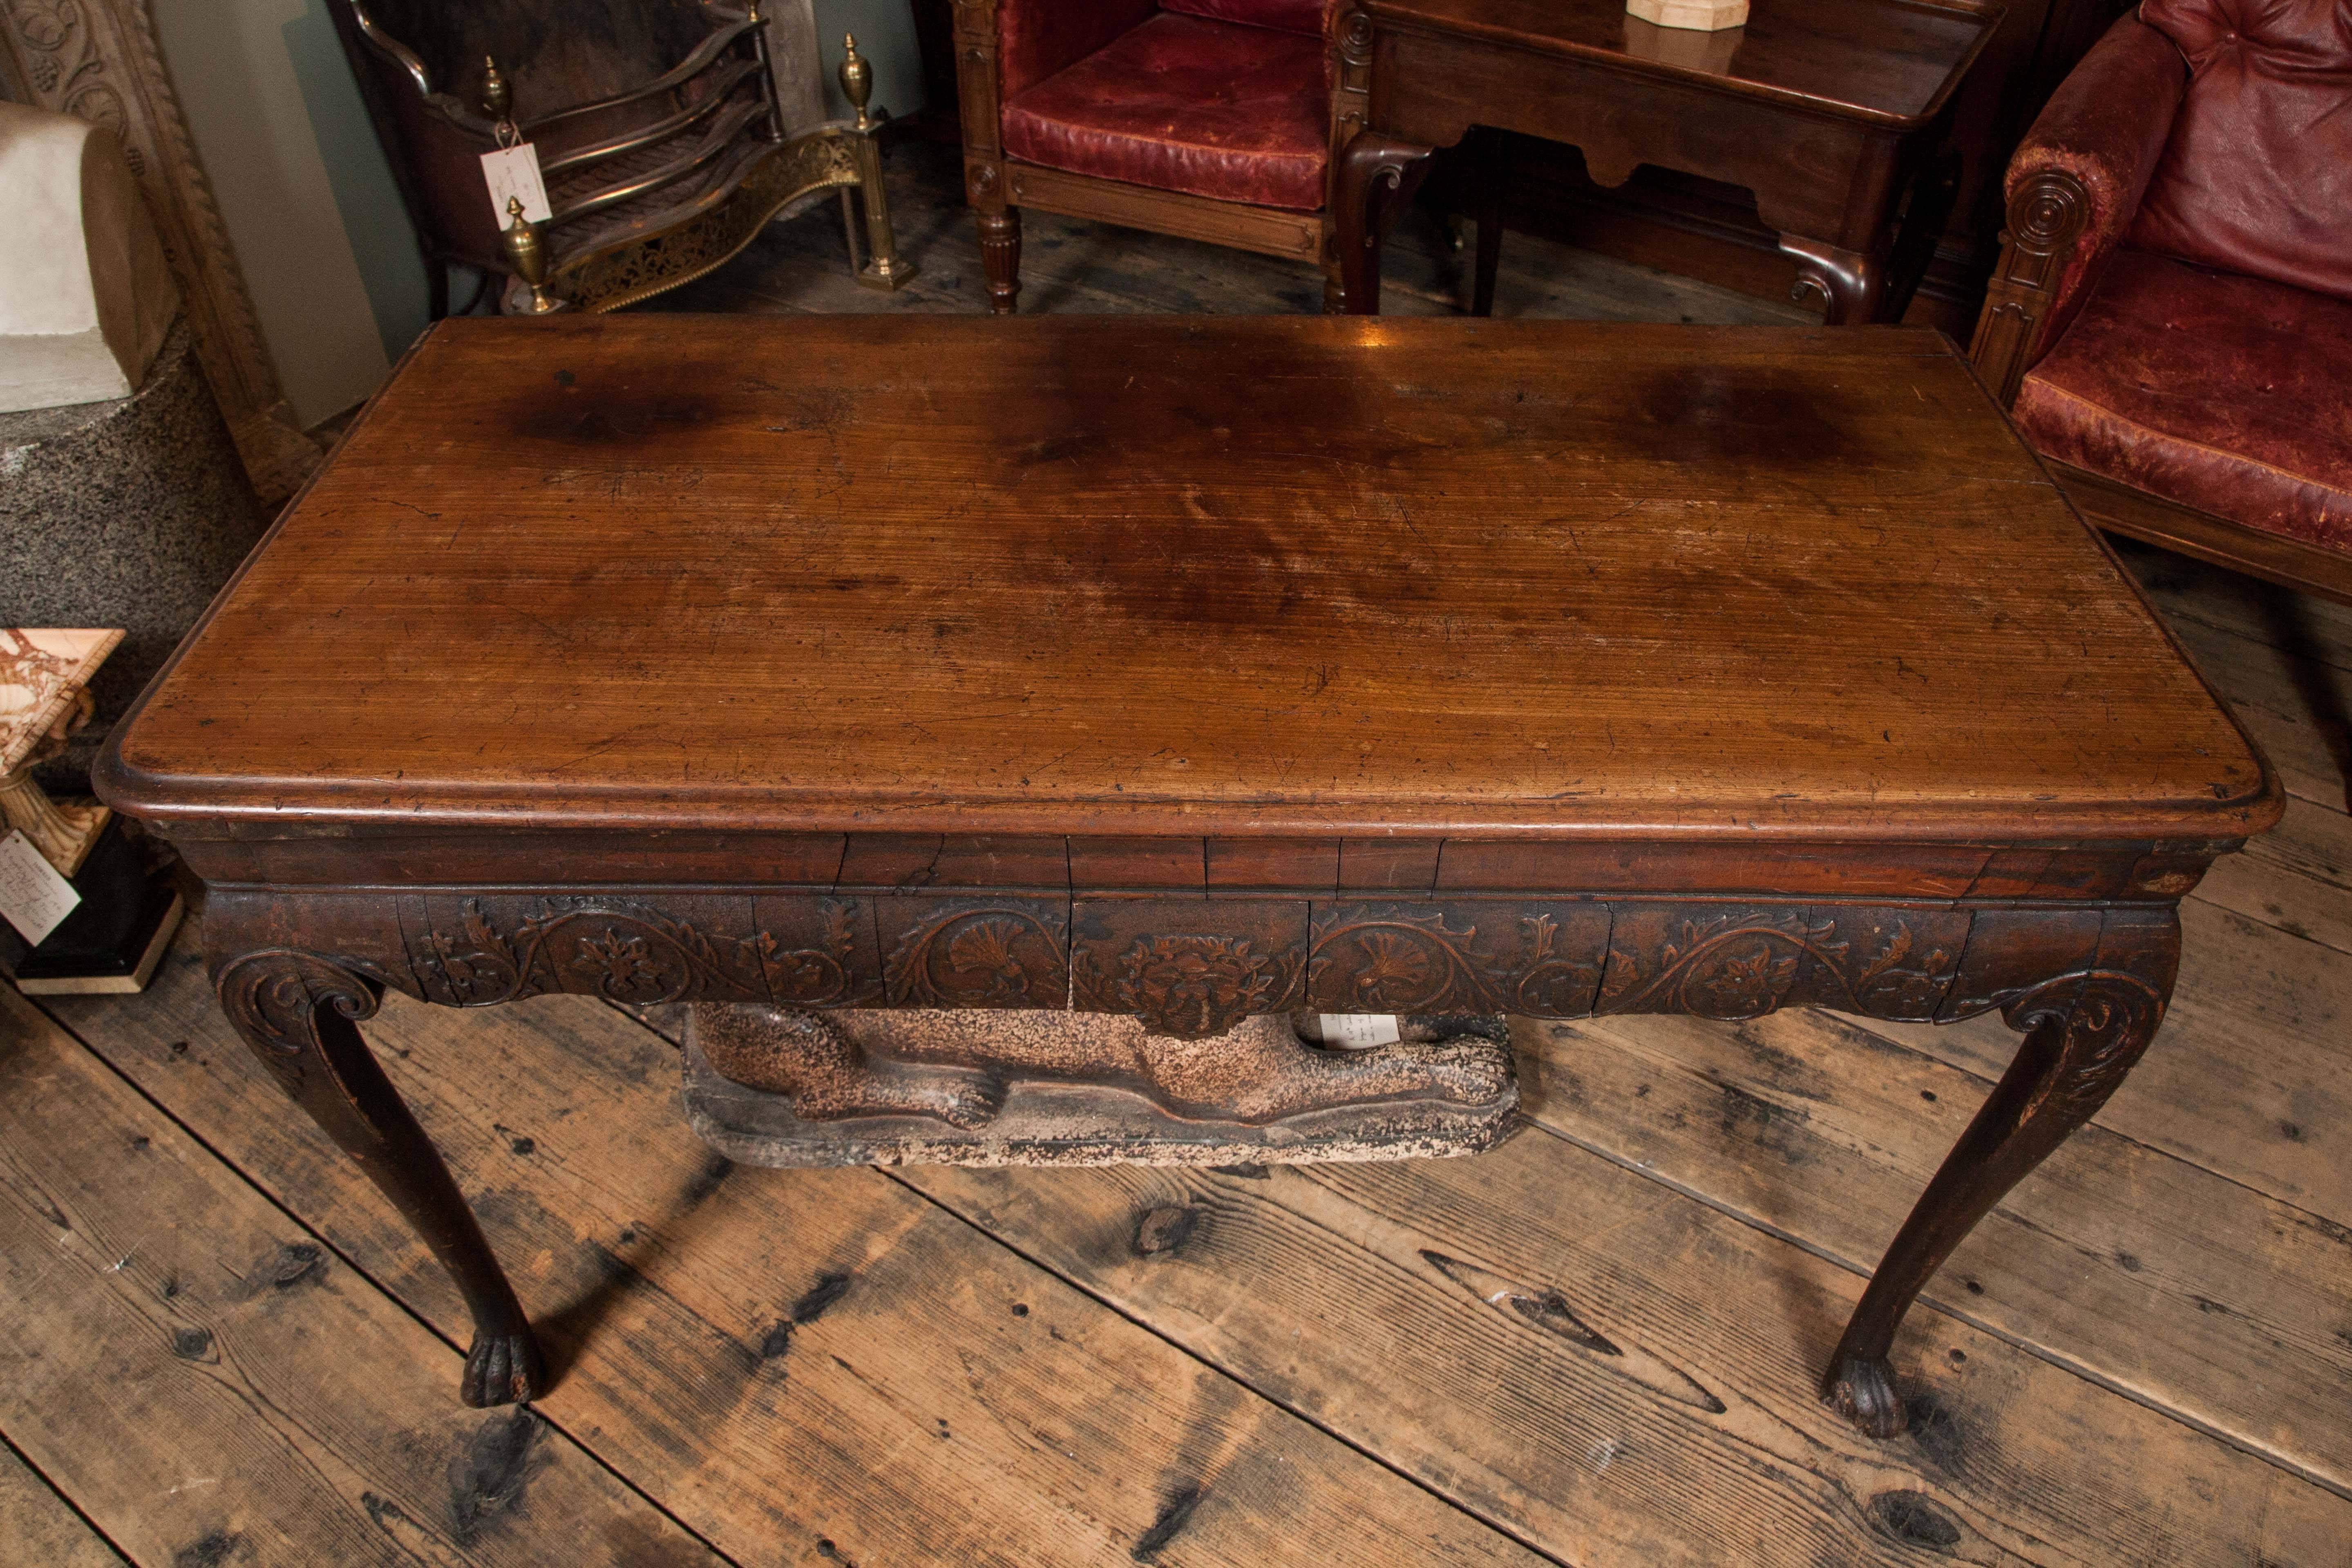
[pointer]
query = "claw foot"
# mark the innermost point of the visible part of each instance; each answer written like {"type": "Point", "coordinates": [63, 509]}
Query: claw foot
{"type": "Point", "coordinates": [1864, 1392]}
{"type": "Point", "coordinates": [503, 1369]}
{"type": "Point", "coordinates": [964, 1100]}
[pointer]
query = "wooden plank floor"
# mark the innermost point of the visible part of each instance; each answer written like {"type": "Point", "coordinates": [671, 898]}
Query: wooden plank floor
{"type": "Point", "coordinates": [1593, 1346]}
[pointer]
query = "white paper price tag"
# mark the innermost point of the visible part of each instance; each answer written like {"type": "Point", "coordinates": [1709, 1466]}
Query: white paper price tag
{"type": "Point", "coordinates": [1359, 1032]}
{"type": "Point", "coordinates": [33, 896]}
{"type": "Point", "coordinates": [513, 173]}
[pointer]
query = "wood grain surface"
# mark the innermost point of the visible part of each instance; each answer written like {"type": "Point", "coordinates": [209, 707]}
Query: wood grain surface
{"type": "Point", "coordinates": [213, 1385]}
{"type": "Point", "coordinates": [2204, 1296]}
{"type": "Point", "coordinates": [37, 1522]}
{"type": "Point", "coordinates": [1150, 575]}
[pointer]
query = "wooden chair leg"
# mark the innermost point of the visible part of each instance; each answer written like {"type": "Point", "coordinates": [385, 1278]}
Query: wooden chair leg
{"type": "Point", "coordinates": [1000, 256]}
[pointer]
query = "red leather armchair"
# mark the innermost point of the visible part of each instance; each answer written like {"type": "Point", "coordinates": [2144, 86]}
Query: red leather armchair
{"type": "Point", "coordinates": [2171, 318]}
{"type": "Point", "coordinates": [1209, 119]}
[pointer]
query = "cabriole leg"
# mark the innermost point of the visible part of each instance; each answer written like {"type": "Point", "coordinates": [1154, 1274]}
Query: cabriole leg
{"type": "Point", "coordinates": [1377, 179]}
{"type": "Point", "coordinates": [298, 1011]}
{"type": "Point", "coordinates": [2082, 1034]}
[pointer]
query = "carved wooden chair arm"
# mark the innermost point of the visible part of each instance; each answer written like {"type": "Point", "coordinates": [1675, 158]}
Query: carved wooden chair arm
{"type": "Point", "coordinates": [2073, 188]}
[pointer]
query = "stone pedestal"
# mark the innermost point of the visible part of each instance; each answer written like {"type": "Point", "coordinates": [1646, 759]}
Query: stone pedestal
{"type": "Point", "coordinates": [127, 513]}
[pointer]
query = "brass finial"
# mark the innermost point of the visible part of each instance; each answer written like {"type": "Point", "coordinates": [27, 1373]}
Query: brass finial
{"type": "Point", "coordinates": [498, 98]}
{"type": "Point", "coordinates": [751, 13]}
{"type": "Point", "coordinates": [526, 253]}
{"type": "Point", "coordinates": [857, 80]}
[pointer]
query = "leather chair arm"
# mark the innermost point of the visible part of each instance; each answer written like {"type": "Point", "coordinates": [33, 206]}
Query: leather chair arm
{"type": "Point", "coordinates": [1037, 37]}
{"type": "Point", "coordinates": [2074, 187]}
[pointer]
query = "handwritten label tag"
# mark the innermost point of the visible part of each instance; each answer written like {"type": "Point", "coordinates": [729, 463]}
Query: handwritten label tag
{"type": "Point", "coordinates": [33, 896]}
{"type": "Point", "coordinates": [1359, 1032]}
{"type": "Point", "coordinates": [514, 171]}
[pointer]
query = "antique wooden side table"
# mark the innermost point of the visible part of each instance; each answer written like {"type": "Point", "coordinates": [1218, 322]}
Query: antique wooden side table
{"type": "Point", "coordinates": [1828, 110]}
{"type": "Point", "coordinates": [1191, 669]}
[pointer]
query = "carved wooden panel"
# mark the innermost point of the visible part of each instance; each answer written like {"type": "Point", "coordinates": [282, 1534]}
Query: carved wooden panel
{"type": "Point", "coordinates": [817, 951]}
{"type": "Point", "coordinates": [1194, 967]}
{"type": "Point", "coordinates": [1191, 968]}
{"type": "Point", "coordinates": [1739, 961]}
{"type": "Point", "coordinates": [1541, 959]}
{"type": "Point", "coordinates": [474, 951]}
{"type": "Point", "coordinates": [98, 60]}
{"type": "Point", "coordinates": [1001, 952]}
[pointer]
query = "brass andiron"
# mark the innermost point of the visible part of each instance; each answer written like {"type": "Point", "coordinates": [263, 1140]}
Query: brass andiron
{"type": "Point", "coordinates": [498, 98]}
{"type": "Point", "coordinates": [883, 269]}
{"type": "Point", "coordinates": [526, 253]}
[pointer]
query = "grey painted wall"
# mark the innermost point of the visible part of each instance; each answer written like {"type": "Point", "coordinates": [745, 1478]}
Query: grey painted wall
{"type": "Point", "coordinates": [886, 36]}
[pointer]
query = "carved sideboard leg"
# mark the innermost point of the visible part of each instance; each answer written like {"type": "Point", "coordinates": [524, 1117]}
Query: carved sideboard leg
{"type": "Point", "coordinates": [298, 1012]}
{"type": "Point", "coordinates": [2083, 1032]}
{"type": "Point", "coordinates": [1378, 176]}
{"type": "Point", "coordinates": [1000, 256]}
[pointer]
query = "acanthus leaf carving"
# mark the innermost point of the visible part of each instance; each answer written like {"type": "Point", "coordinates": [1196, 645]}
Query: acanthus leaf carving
{"type": "Point", "coordinates": [2108, 1017]}
{"type": "Point", "coordinates": [629, 952]}
{"type": "Point", "coordinates": [272, 997]}
{"type": "Point", "coordinates": [1194, 987]}
{"type": "Point", "coordinates": [1748, 962]}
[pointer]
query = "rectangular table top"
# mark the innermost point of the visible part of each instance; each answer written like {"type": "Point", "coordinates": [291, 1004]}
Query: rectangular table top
{"type": "Point", "coordinates": [1185, 575]}
{"type": "Point", "coordinates": [1882, 60]}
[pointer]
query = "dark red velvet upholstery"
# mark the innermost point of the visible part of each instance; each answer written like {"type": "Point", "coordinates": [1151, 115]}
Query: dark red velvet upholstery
{"type": "Point", "coordinates": [1184, 103]}
{"type": "Point", "coordinates": [1034, 38]}
{"type": "Point", "coordinates": [2230, 393]}
{"type": "Point", "coordinates": [2258, 175]}
{"type": "Point", "coordinates": [1284, 15]}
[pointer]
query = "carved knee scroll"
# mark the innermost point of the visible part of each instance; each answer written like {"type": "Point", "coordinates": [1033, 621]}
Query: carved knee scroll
{"type": "Point", "coordinates": [2085, 1029]}
{"type": "Point", "coordinates": [297, 1011]}
{"type": "Point", "coordinates": [1376, 177]}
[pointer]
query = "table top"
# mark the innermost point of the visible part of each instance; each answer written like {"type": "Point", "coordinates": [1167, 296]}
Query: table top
{"type": "Point", "coordinates": [1890, 60]}
{"type": "Point", "coordinates": [1185, 575]}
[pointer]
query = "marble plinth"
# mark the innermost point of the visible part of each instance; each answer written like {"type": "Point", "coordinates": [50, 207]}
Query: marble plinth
{"type": "Point", "coordinates": [127, 513]}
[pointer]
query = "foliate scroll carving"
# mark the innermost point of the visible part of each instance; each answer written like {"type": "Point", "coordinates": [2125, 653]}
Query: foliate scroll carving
{"type": "Point", "coordinates": [629, 952]}
{"type": "Point", "coordinates": [1743, 962]}
{"type": "Point", "coordinates": [1010, 953]}
{"type": "Point", "coordinates": [272, 997]}
{"type": "Point", "coordinates": [2109, 1017]}
{"type": "Point", "coordinates": [1473, 957]}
